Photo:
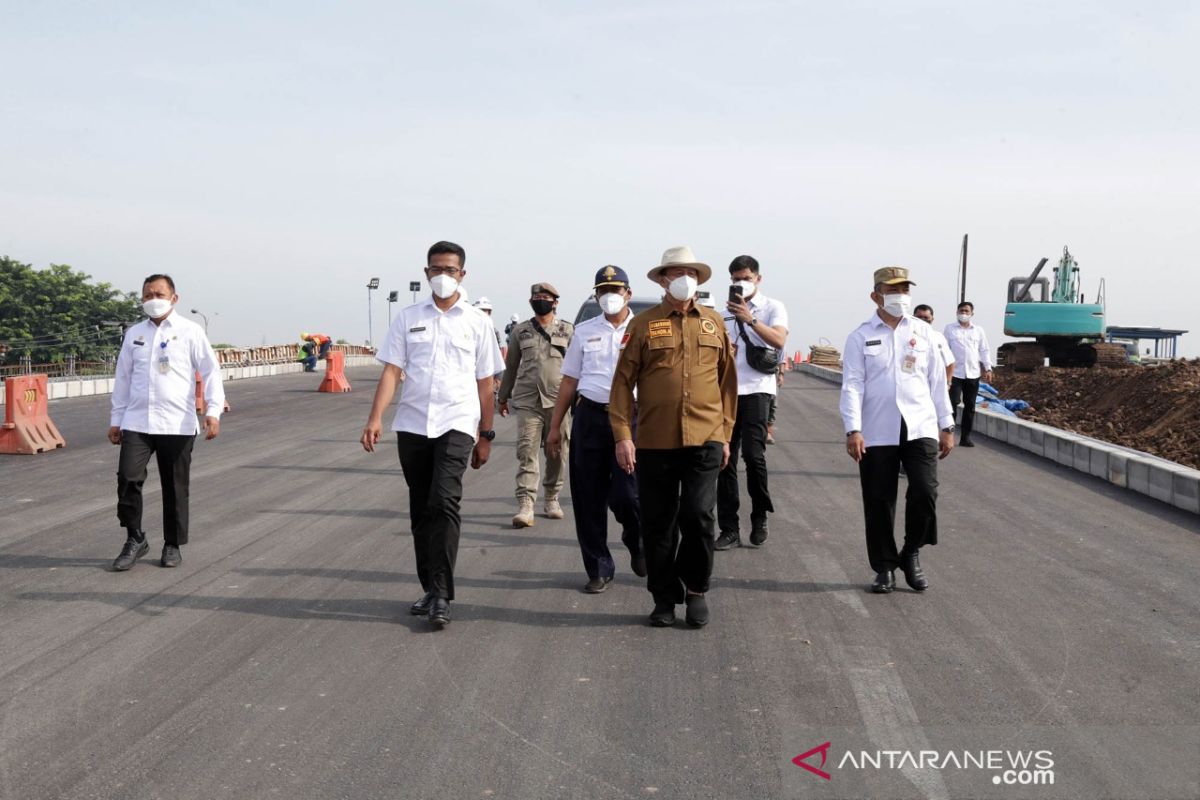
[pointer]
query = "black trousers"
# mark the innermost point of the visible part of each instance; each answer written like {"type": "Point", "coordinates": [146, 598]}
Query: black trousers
{"type": "Point", "coordinates": [965, 389]}
{"type": "Point", "coordinates": [750, 437]}
{"type": "Point", "coordinates": [433, 470]}
{"type": "Point", "coordinates": [678, 489]}
{"type": "Point", "coordinates": [174, 457]}
{"type": "Point", "coordinates": [879, 474]}
{"type": "Point", "coordinates": [597, 485]}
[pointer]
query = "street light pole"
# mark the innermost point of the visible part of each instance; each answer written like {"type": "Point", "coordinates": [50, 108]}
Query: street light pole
{"type": "Point", "coordinates": [371, 286]}
{"type": "Point", "coordinates": [414, 287]}
{"type": "Point", "coordinates": [204, 317]}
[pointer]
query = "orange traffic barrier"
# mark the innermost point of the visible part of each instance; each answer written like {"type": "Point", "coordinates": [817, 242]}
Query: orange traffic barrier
{"type": "Point", "coordinates": [335, 373]}
{"type": "Point", "coordinates": [27, 427]}
{"type": "Point", "coordinates": [200, 405]}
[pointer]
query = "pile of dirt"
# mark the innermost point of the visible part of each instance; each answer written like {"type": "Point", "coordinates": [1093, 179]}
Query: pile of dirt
{"type": "Point", "coordinates": [1152, 409]}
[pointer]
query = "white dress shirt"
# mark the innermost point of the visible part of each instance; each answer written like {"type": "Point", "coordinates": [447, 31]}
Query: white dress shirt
{"type": "Point", "coordinates": [443, 354]}
{"type": "Point", "coordinates": [943, 348]}
{"type": "Point", "coordinates": [890, 374]}
{"type": "Point", "coordinates": [155, 387]}
{"type": "Point", "coordinates": [970, 346]}
{"type": "Point", "coordinates": [770, 313]}
{"type": "Point", "coordinates": [592, 356]}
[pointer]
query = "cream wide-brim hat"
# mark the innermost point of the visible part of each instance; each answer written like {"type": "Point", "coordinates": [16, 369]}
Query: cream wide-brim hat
{"type": "Point", "coordinates": [681, 257]}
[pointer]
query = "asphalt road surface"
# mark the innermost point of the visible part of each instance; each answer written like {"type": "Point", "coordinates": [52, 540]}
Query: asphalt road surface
{"type": "Point", "coordinates": [1063, 621]}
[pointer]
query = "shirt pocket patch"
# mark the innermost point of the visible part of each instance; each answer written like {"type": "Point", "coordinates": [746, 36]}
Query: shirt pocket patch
{"type": "Point", "coordinates": [709, 351]}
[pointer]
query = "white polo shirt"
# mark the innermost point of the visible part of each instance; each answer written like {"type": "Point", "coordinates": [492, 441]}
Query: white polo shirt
{"type": "Point", "coordinates": [592, 355]}
{"type": "Point", "coordinates": [155, 387]}
{"type": "Point", "coordinates": [770, 313]}
{"type": "Point", "coordinates": [443, 355]}
{"type": "Point", "coordinates": [943, 348]}
{"type": "Point", "coordinates": [889, 375]}
{"type": "Point", "coordinates": [972, 357]}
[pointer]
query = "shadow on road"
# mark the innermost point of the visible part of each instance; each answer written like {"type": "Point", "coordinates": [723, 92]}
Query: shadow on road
{"type": "Point", "coordinates": [52, 562]}
{"type": "Point", "coordinates": [364, 610]}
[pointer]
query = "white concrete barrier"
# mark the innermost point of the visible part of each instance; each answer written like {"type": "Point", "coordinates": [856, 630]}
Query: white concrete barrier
{"type": "Point", "coordinates": [1140, 472]}
{"type": "Point", "coordinates": [87, 387]}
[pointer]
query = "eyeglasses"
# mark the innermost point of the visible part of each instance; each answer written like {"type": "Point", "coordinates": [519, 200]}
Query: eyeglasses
{"type": "Point", "coordinates": [453, 272]}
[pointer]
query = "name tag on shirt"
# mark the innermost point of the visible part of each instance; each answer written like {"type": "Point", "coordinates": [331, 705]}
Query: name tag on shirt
{"type": "Point", "coordinates": [874, 342]}
{"type": "Point", "coordinates": [416, 330]}
{"type": "Point", "coordinates": [139, 342]}
{"type": "Point", "coordinates": [661, 327]}
{"type": "Point", "coordinates": [164, 365]}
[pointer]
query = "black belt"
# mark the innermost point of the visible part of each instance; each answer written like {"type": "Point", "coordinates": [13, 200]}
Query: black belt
{"type": "Point", "coordinates": [593, 404]}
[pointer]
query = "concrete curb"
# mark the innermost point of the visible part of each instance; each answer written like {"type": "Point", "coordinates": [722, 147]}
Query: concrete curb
{"type": "Point", "coordinates": [1140, 472]}
{"type": "Point", "coordinates": [86, 387]}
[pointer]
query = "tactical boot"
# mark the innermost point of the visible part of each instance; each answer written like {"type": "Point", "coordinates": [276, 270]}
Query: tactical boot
{"type": "Point", "coordinates": [524, 517]}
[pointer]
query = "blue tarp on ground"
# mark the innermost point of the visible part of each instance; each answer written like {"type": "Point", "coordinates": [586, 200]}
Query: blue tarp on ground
{"type": "Point", "coordinates": [990, 399]}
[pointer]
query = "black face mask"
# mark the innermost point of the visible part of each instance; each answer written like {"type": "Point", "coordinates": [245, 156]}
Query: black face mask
{"type": "Point", "coordinates": [541, 307]}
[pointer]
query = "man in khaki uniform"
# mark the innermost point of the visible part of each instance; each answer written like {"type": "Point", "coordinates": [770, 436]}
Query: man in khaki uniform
{"type": "Point", "coordinates": [678, 357]}
{"type": "Point", "coordinates": [532, 373]}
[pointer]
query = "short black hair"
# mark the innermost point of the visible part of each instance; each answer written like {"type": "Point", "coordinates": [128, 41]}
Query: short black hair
{"type": "Point", "coordinates": [160, 277]}
{"type": "Point", "coordinates": [743, 262]}
{"type": "Point", "coordinates": [968, 304]}
{"type": "Point", "coordinates": [923, 307]}
{"type": "Point", "coordinates": [439, 248]}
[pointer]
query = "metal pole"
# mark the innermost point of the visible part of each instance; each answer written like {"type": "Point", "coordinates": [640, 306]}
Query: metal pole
{"type": "Point", "coordinates": [962, 296]}
{"type": "Point", "coordinates": [370, 323]}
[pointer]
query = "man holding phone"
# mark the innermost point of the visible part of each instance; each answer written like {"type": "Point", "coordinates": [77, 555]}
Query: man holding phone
{"type": "Point", "coordinates": [752, 321]}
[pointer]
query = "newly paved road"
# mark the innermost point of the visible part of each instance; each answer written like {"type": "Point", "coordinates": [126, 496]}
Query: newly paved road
{"type": "Point", "coordinates": [280, 661]}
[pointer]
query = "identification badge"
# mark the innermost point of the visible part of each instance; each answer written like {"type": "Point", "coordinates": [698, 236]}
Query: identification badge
{"type": "Point", "coordinates": [164, 365]}
{"type": "Point", "coordinates": [910, 363]}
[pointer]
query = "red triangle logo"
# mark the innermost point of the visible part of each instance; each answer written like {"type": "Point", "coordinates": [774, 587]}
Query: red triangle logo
{"type": "Point", "coordinates": [799, 760]}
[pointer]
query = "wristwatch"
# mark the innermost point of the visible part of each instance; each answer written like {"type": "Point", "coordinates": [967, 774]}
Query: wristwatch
{"type": "Point", "coordinates": [489, 435]}
{"type": "Point", "coordinates": [851, 433]}
{"type": "Point", "coordinates": [948, 430]}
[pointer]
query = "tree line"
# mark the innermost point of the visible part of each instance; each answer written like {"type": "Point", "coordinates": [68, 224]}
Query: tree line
{"type": "Point", "coordinates": [50, 314]}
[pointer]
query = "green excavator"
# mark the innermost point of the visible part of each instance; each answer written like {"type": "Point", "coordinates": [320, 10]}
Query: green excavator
{"type": "Point", "coordinates": [1065, 328]}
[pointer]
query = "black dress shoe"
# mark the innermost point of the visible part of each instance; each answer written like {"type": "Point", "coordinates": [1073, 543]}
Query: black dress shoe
{"type": "Point", "coordinates": [130, 553]}
{"type": "Point", "coordinates": [697, 611]}
{"type": "Point", "coordinates": [758, 533]}
{"type": "Point", "coordinates": [171, 557]}
{"type": "Point", "coordinates": [638, 564]}
{"type": "Point", "coordinates": [597, 585]}
{"type": "Point", "coordinates": [663, 615]}
{"type": "Point", "coordinates": [914, 576]}
{"type": "Point", "coordinates": [884, 582]}
{"type": "Point", "coordinates": [966, 443]}
{"type": "Point", "coordinates": [421, 607]}
{"type": "Point", "coordinates": [728, 540]}
{"type": "Point", "coordinates": [439, 612]}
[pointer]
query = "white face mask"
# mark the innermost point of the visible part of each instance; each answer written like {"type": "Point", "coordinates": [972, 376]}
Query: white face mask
{"type": "Point", "coordinates": [611, 303]}
{"type": "Point", "coordinates": [443, 286]}
{"type": "Point", "coordinates": [683, 287]}
{"type": "Point", "coordinates": [158, 307]}
{"type": "Point", "coordinates": [748, 287]}
{"type": "Point", "coordinates": [964, 317]}
{"type": "Point", "coordinates": [897, 304]}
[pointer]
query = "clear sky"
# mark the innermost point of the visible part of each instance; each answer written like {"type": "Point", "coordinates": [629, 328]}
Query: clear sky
{"type": "Point", "coordinates": [275, 156]}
